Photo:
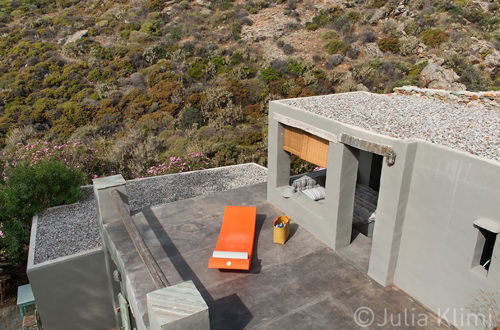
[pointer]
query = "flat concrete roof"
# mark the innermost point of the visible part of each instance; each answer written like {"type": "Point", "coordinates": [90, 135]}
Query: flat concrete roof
{"type": "Point", "coordinates": [300, 285]}
{"type": "Point", "coordinates": [70, 229]}
{"type": "Point", "coordinates": [466, 128]}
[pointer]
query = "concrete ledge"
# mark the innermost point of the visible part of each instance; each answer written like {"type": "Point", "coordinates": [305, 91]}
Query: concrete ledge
{"type": "Point", "coordinates": [105, 204]}
{"type": "Point", "coordinates": [179, 306]}
{"type": "Point", "coordinates": [108, 182]}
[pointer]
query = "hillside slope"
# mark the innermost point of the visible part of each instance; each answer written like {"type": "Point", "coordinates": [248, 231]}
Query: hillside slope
{"type": "Point", "coordinates": [131, 84]}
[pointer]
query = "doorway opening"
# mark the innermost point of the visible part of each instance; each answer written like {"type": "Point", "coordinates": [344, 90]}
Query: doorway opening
{"type": "Point", "coordinates": [366, 193]}
{"type": "Point", "coordinates": [366, 197]}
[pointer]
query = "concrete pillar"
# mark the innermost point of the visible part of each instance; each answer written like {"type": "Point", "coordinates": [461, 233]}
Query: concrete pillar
{"type": "Point", "coordinates": [178, 307]}
{"type": "Point", "coordinates": [105, 205]}
{"type": "Point", "coordinates": [107, 213]}
{"type": "Point", "coordinates": [391, 208]}
{"type": "Point", "coordinates": [340, 187]}
{"type": "Point", "coordinates": [365, 167]}
{"type": "Point", "coordinates": [278, 160]}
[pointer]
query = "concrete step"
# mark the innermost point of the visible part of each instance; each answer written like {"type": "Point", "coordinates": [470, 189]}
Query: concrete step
{"type": "Point", "coordinates": [358, 252]}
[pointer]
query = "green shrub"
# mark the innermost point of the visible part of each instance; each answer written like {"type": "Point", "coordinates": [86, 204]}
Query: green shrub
{"type": "Point", "coordinates": [473, 78]}
{"type": "Point", "coordinates": [354, 16]}
{"type": "Point", "coordinates": [76, 113]}
{"type": "Point", "coordinates": [434, 37]}
{"type": "Point", "coordinates": [220, 4]}
{"type": "Point", "coordinates": [412, 28]}
{"type": "Point", "coordinates": [380, 76]}
{"type": "Point", "coordinates": [191, 116]}
{"type": "Point", "coordinates": [152, 27]}
{"type": "Point", "coordinates": [29, 190]}
{"type": "Point", "coordinates": [318, 21]}
{"type": "Point", "coordinates": [80, 47]}
{"type": "Point", "coordinates": [330, 35]}
{"type": "Point", "coordinates": [269, 74]}
{"type": "Point", "coordinates": [197, 70]}
{"type": "Point", "coordinates": [154, 4]}
{"type": "Point", "coordinates": [389, 45]}
{"type": "Point", "coordinates": [219, 62]}
{"type": "Point", "coordinates": [236, 30]}
{"type": "Point", "coordinates": [416, 69]}
{"type": "Point", "coordinates": [236, 58]}
{"type": "Point", "coordinates": [337, 46]}
{"type": "Point", "coordinates": [326, 16]}
{"type": "Point", "coordinates": [176, 33]}
{"type": "Point", "coordinates": [296, 68]}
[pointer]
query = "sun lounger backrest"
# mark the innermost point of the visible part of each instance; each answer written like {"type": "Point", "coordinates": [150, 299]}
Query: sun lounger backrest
{"type": "Point", "coordinates": [237, 229]}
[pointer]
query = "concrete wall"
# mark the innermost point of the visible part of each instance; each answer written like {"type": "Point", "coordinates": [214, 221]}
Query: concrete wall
{"type": "Point", "coordinates": [330, 220]}
{"type": "Point", "coordinates": [72, 292]}
{"type": "Point", "coordinates": [174, 307]}
{"type": "Point", "coordinates": [448, 191]}
{"type": "Point", "coordinates": [424, 239]}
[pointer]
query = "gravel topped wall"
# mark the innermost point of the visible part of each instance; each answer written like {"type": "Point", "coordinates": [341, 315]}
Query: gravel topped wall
{"type": "Point", "coordinates": [171, 188]}
{"type": "Point", "coordinates": [467, 128]}
{"type": "Point", "coordinates": [69, 229]}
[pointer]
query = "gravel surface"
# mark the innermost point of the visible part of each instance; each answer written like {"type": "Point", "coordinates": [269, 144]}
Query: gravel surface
{"type": "Point", "coordinates": [69, 229]}
{"type": "Point", "coordinates": [467, 128]}
{"type": "Point", "coordinates": [170, 188]}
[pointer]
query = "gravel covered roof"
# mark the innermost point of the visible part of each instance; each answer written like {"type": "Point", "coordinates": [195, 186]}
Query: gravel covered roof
{"type": "Point", "coordinates": [467, 128]}
{"type": "Point", "coordinates": [69, 229]}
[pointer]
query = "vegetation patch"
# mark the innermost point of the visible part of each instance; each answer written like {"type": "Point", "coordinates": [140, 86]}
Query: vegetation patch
{"type": "Point", "coordinates": [337, 46]}
{"type": "Point", "coordinates": [27, 190]}
{"type": "Point", "coordinates": [434, 37]}
{"type": "Point", "coordinates": [269, 74]}
{"type": "Point", "coordinates": [197, 70]}
{"type": "Point", "coordinates": [389, 45]}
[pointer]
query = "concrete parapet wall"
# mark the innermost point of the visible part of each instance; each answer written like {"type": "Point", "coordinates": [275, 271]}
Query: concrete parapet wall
{"type": "Point", "coordinates": [449, 190]}
{"type": "Point", "coordinates": [80, 299]}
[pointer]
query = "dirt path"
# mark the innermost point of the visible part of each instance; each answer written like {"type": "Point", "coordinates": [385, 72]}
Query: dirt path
{"type": "Point", "coordinates": [9, 316]}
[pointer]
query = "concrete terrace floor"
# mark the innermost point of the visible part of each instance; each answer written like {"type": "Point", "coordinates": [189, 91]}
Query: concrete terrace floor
{"type": "Point", "coordinates": [300, 285]}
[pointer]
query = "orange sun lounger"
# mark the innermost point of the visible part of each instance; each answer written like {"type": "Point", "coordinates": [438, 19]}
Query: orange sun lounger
{"type": "Point", "coordinates": [235, 244]}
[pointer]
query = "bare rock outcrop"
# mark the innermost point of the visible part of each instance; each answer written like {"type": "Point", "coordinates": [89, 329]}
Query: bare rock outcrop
{"type": "Point", "coordinates": [437, 77]}
{"type": "Point", "coordinates": [370, 50]}
{"type": "Point", "coordinates": [76, 36]}
{"type": "Point", "coordinates": [488, 99]}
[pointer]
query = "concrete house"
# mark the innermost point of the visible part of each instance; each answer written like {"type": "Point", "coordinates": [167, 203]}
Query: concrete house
{"type": "Point", "coordinates": [404, 219]}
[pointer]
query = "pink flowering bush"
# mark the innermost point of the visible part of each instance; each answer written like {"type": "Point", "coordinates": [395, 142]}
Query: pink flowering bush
{"type": "Point", "coordinates": [89, 160]}
{"type": "Point", "coordinates": [73, 154]}
{"type": "Point", "coordinates": [194, 161]}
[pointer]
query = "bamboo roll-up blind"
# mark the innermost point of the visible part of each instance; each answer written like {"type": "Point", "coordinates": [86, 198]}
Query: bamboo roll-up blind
{"type": "Point", "coordinates": [306, 146]}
